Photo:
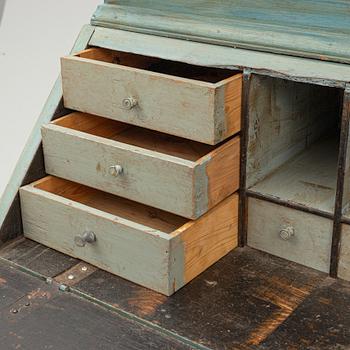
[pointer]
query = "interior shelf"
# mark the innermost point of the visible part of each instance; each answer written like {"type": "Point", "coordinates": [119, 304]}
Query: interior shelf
{"type": "Point", "coordinates": [308, 179]}
{"type": "Point", "coordinates": [293, 145]}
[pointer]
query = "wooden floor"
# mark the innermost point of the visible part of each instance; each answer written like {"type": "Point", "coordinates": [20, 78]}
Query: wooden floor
{"type": "Point", "coordinates": [248, 300]}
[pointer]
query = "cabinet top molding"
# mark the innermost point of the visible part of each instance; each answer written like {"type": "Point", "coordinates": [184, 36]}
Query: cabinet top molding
{"type": "Point", "coordinates": [317, 29]}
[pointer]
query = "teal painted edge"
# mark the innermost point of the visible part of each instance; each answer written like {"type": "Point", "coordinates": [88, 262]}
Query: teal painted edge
{"type": "Point", "coordinates": [207, 22]}
{"type": "Point", "coordinates": [34, 140]}
{"type": "Point", "coordinates": [203, 54]}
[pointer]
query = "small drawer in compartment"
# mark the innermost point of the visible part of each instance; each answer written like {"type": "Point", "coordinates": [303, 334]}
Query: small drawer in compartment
{"type": "Point", "coordinates": [181, 176]}
{"type": "Point", "coordinates": [344, 258]}
{"type": "Point", "coordinates": [290, 234]}
{"type": "Point", "coordinates": [148, 246]}
{"type": "Point", "coordinates": [294, 132]}
{"type": "Point", "coordinates": [197, 103]}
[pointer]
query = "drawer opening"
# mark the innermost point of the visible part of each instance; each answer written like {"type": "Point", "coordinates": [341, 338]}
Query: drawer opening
{"type": "Point", "coordinates": [157, 65]}
{"type": "Point", "coordinates": [123, 208]}
{"type": "Point", "coordinates": [294, 141]}
{"type": "Point", "coordinates": [136, 136]}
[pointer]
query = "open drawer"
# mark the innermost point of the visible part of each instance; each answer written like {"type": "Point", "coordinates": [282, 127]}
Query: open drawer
{"type": "Point", "coordinates": [148, 246]}
{"type": "Point", "coordinates": [198, 103]}
{"type": "Point", "coordinates": [183, 177]}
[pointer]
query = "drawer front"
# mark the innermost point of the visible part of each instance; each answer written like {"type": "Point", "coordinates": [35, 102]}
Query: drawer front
{"type": "Point", "coordinates": [195, 110]}
{"type": "Point", "coordinates": [177, 185]}
{"type": "Point", "coordinates": [124, 250]}
{"type": "Point", "coordinates": [290, 234]}
{"type": "Point", "coordinates": [153, 248]}
{"type": "Point", "coordinates": [344, 259]}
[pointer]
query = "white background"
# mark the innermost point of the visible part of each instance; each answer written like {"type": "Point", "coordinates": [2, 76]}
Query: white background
{"type": "Point", "coordinates": [33, 36]}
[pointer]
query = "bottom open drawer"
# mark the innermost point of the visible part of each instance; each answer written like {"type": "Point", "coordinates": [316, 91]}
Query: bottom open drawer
{"type": "Point", "coordinates": [153, 248]}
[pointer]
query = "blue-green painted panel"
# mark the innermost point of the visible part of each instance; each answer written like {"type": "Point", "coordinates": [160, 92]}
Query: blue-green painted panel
{"type": "Point", "coordinates": [310, 28]}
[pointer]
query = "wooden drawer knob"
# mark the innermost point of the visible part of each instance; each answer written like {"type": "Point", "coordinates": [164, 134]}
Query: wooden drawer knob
{"type": "Point", "coordinates": [129, 103]}
{"type": "Point", "coordinates": [287, 233]}
{"type": "Point", "coordinates": [86, 237]}
{"type": "Point", "coordinates": [116, 170]}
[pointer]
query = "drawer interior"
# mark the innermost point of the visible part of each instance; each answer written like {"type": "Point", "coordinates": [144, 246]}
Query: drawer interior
{"type": "Point", "coordinates": [136, 136]}
{"type": "Point", "coordinates": [123, 208]}
{"type": "Point", "coordinates": [293, 141]}
{"type": "Point", "coordinates": [157, 65]}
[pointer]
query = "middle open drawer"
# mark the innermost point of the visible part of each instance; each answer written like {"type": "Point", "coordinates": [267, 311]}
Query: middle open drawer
{"type": "Point", "coordinates": [180, 176]}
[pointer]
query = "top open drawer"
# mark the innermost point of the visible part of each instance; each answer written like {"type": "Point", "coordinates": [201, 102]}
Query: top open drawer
{"type": "Point", "coordinates": [197, 103]}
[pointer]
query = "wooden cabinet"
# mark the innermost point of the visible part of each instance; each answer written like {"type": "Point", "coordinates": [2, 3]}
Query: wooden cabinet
{"type": "Point", "coordinates": [148, 246]}
{"type": "Point", "coordinates": [181, 176]}
{"type": "Point", "coordinates": [197, 103]}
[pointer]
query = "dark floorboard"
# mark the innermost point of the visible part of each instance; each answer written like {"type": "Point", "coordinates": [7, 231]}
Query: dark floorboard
{"type": "Point", "coordinates": [37, 257]}
{"type": "Point", "coordinates": [34, 315]}
{"type": "Point", "coordinates": [239, 301]}
{"type": "Point", "coordinates": [247, 301]}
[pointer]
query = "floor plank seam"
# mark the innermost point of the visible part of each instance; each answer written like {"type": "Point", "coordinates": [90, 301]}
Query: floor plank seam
{"type": "Point", "coordinates": [109, 307]}
{"type": "Point", "coordinates": [140, 320]}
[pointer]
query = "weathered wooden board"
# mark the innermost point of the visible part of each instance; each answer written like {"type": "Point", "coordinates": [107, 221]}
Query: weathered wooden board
{"type": "Point", "coordinates": [236, 304]}
{"type": "Point", "coordinates": [314, 28]}
{"type": "Point", "coordinates": [177, 175]}
{"type": "Point", "coordinates": [194, 109]}
{"type": "Point", "coordinates": [321, 321]}
{"type": "Point", "coordinates": [28, 164]}
{"type": "Point", "coordinates": [282, 66]}
{"type": "Point", "coordinates": [34, 315]}
{"type": "Point", "coordinates": [312, 240]}
{"type": "Point", "coordinates": [284, 119]}
{"type": "Point", "coordinates": [36, 257]}
{"type": "Point", "coordinates": [346, 120]}
{"type": "Point", "coordinates": [344, 255]}
{"type": "Point", "coordinates": [309, 179]}
{"type": "Point", "coordinates": [153, 248]}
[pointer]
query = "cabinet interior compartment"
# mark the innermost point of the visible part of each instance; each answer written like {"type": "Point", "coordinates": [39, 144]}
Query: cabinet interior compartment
{"type": "Point", "coordinates": [293, 142]}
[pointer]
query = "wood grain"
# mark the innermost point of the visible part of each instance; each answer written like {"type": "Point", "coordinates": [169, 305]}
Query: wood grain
{"type": "Point", "coordinates": [144, 245]}
{"type": "Point", "coordinates": [311, 244]}
{"type": "Point", "coordinates": [156, 166]}
{"type": "Point", "coordinates": [168, 103]}
{"type": "Point", "coordinates": [212, 55]}
{"type": "Point", "coordinates": [344, 255]}
{"type": "Point", "coordinates": [210, 237]}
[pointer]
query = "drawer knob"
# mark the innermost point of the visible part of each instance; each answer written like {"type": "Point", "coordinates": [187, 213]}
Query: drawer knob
{"type": "Point", "coordinates": [287, 233]}
{"type": "Point", "coordinates": [129, 103]}
{"type": "Point", "coordinates": [86, 237]}
{"type": "Point", "coordinates": [116, 170]}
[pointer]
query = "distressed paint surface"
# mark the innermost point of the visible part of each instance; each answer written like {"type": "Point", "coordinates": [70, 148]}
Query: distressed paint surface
{"type": "Point", "coordinates": [344, 257]}
{"type": "Point", "coordinates": [34, 141]}
{"type": "Point", "coordinates": [311, 244]}
{"type": "Point", "coordinates": [170, 104]}
{"type": "Point", "coordinates": [283, 66]}
{"type": "Point", "coordinates": [152, 248]}
{"type": "Point", "coordinates": [121, 247]}
{"type": "Point", "coordinates": [313, 28]}
{"type": "Point", "coordinates": [149, 177]}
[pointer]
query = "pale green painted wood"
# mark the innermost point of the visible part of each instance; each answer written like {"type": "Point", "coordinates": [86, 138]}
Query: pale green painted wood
{"type": "Point", "coordinates": [282, 66]}
{"type": "Point", "coordinates": [34, 141]}
{"type": "Point", "coordinates": [149, 177]}
{"type": "Point", "coordinates": [311, 28]}
{"type": "Point", "coordinates": [123, 247]}
{"type": "Point", "coordinates": [170, 104]}
{"type": "Point", "coordinates": [344, 258]}
{"type": "Point", "coordinates": [311, 244]}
